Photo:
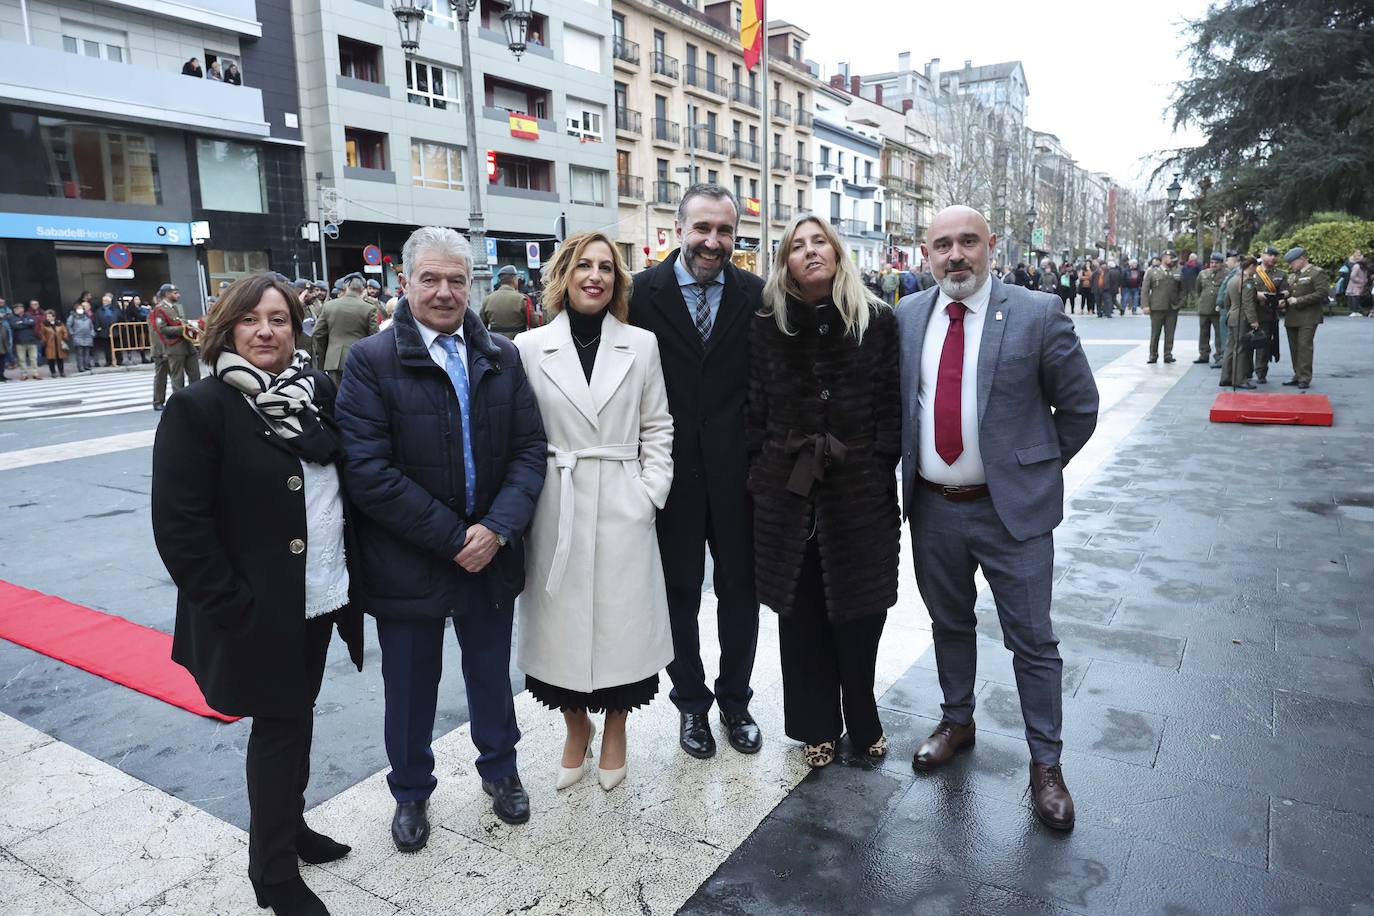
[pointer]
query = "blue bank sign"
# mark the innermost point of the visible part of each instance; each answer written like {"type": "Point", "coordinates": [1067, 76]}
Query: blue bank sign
{"type": "Point", "coordinates": [99, 231]}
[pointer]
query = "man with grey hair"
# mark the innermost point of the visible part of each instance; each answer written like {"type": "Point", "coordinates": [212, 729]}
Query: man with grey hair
{"type": "Point", "coordinates": [997, 396]}
{"type": "Point", "coordinates": [341, 323]}
{"type": "Point", "coordinates": [445, 455]}
{"type": "Point", "coordinates": [697, 303]}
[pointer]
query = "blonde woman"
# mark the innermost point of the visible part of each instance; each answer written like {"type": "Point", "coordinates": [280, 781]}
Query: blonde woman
{"type": "Point", "coordinates": [594, 629]}
{"type": "Point", "coordinates": [824, 431]}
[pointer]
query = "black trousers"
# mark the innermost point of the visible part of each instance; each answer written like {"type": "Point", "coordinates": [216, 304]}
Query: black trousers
{"type": "Point", "coordinates": [827, 668]}
{"type": "Point", "coordinates": [279, 770]}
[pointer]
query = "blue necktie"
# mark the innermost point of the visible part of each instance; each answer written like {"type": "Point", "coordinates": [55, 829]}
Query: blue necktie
{"type": "Point", "coordinates": [458, 375]}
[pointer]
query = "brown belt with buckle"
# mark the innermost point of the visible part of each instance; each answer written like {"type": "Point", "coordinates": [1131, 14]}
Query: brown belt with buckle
{"type": "Point", "coordinates": [958, 494]}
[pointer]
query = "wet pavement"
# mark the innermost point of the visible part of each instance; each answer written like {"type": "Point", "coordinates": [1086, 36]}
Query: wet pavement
{"type": "Point", "coordinates": [1213, 605]}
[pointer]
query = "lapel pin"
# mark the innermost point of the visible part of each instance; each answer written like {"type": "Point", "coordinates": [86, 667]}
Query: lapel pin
{"type": "Point", "coordinates": [998, 316]}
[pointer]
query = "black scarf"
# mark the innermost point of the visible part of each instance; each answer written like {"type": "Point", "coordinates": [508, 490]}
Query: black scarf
{"type": "Point", "coordinates": [286, 402]}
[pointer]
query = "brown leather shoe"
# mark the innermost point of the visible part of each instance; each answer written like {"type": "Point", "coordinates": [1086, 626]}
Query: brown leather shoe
{"type": "Point", "coordinates": [1050, 797]}
{"type": "Point", "coordinates": [948, 739]}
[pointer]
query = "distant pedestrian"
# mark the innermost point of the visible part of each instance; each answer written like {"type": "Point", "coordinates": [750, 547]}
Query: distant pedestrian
{"type": "Point", "coordinates": [1356, 272]}
{"type": "Point", "coordinates": [55, 346]}
{"type": "Point", "coordinates": [192, 68]}
{"type": "Point", "coordinates": [6, 340]}
{"type": "Point", "coordinates": [24, 330]}
{"type": "Point", "coordinates": [1131, 279]}
{"type": "Point", "coordinates": [81, 327]}
{"type": "Point", "coordinates": [106, 316]}
{"type": "Point", "coordinates": [1114, 286]}
{"type": "Point", "coordinates": [1085, 286]}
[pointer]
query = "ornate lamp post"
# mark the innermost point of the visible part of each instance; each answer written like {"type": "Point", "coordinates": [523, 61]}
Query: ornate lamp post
{"type": "Point", "coordinates": [1173, 191]}
{"type": "Point", "coordinates": [1030, 236]}
{"type": "Point", "coordinates": [410, 15]}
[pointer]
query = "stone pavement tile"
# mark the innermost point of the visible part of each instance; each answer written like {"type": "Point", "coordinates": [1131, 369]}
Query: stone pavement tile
{"type": "Point", "coordinates": [16, 738]}
{"type": "Point", "coordinates": [1320, 720]}
{"type": "Point", "coordinates": [1352, 641]}
{"type": "Point", "coordinates": [42, 691]}
{"type": "Point", "coordinates": [991, 841]}
{"type": "Point", "coordinates": [1334, 847]}
{"type": "Point", "coordinates": [1090, 504]}
{"type": "Point", "coordinates": [1245, 704]}
{"type": "Point", "coordinates": [1262, 664]}
{"type": "Point", "coordinates": [1091, 607]}
{"type": "Point", "coordinates": [223, 889]}
{"type": "Point", "coordinates": [1152, 580]}
{"type": "Point", "coordinates": [790, 868]}
{"type": "Point", "coordinates": [1127, 735]}
{"type": "Point", "coordinates": [918, 692]}
{"type": "Point", "coordinates": [149, 842]}
{"type": "Point", "coordinates": [1117, 540]}
{"type": "Point", "coordinates": [1101, 557]}
{"type": "Point", "coordinates": [1341, 780]}
{"type": "Point", "coordinates": [995, 662]}
{"type": "Point", "coordinates": [52, 784]}
{"type": "Point", "coordinates": [1188, 622]}
{"type": "Point", "coordinates": [1162, 880]}
{"type": "Point", "coordinates": [849, 800]}
{"type": "Point", "coordinates": [1081, 640]}
{"type": "Point", "coordinates": [27, 893]}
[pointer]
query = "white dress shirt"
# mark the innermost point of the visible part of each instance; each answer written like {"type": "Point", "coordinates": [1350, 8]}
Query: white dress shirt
{"type": "Point", "coordinates": [436, 350]}
{"type": "Point", "coordinates": [326, 573]}
{"type": "Point", "coordinates": [967, 469]}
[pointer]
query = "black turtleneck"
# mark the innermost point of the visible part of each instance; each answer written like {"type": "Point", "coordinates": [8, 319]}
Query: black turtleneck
{"type": "Point", "coordinates": [586, 332]}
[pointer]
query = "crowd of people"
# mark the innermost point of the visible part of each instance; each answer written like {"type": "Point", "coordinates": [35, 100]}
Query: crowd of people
{"type": "Point", "coordinates": [32, 336]}
{"type": "Point", "coordinates": [438, 474]}
{"type": "Point", "coordinates": [229, 73]}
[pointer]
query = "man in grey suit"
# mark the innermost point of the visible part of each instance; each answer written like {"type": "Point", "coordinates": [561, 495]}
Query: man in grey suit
{"type": "Point", "coordinates": [997, 396]}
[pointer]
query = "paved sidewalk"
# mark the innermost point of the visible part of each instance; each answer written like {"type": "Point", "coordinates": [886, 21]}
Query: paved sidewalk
{"type": "Point", "coordinates": [1214, 611]}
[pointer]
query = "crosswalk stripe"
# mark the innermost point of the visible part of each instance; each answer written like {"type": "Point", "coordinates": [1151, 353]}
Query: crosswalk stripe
{"type": "Point", "coordinates": [100, 395]}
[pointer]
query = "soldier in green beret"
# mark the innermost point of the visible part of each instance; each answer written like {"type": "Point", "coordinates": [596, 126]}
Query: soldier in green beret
{"type": "Point", "coordinates": [1304, 309]}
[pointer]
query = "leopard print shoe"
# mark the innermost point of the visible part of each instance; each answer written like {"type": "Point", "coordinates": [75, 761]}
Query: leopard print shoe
{"type": "Point", "coordinates": [879, 747]}
{"type": "Point", "coordinates": [819, 755]}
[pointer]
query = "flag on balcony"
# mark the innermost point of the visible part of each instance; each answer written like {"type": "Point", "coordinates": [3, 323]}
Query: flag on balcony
{"type": "Point", "coordinates": [752, 206]}
{"type": "Point", "coordinates": [524, 127]}
{"type": "Point", "coordinates": [751, 31]}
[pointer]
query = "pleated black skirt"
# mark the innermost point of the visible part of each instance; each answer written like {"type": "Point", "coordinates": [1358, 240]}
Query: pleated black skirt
{"type": "Point", "coordinates": [620, 698]}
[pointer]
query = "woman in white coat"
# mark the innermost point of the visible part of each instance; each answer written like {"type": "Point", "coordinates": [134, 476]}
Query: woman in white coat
{"type": "Point", "coordinates": [594, 629]}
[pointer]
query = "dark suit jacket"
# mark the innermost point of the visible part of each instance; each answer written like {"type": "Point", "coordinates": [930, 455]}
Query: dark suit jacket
{"type": "Point", "coordinates": [224, 516]}
{"type": "Point", "coordinates": [1037, 402]}
{"type": "Point", "coordinates": [707, 387]}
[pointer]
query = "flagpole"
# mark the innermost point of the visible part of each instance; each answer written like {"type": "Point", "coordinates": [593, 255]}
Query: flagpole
{"type": "Point", "coordinates": [767, 166]}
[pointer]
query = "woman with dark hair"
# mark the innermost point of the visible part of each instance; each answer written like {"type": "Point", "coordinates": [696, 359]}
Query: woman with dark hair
{"type": "Point", "coordinates": [594, 630]}
{"type": "Point", "coordinates": [824, 432]}
{"type": "Point", "coordinates": [249, 518]}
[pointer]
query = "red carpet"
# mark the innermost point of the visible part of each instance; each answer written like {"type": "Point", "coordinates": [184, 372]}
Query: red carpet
{"type": "Point", "coordinates": [136, 656]}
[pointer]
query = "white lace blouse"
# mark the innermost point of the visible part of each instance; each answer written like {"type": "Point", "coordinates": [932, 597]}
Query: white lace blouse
{"type": "Point", "coordinates": [326, 575]}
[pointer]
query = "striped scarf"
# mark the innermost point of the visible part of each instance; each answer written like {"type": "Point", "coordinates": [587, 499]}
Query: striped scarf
{"type": "Point", "coordinates": [286, 403]}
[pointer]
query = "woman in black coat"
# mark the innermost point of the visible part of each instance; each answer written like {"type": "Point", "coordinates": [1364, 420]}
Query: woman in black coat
{"type": "Point", "coordinates": [824, 433]}
{"type": "Point", "coordinates": [248, 517]}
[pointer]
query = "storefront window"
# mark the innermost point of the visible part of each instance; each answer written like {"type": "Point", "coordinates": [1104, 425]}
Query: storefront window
{"type": "Point", "coordinates": [93, 162]}
{"type": "Point", "coordinates": [230, 176]}
{"type": "Point", "coordinates": [230, 265]}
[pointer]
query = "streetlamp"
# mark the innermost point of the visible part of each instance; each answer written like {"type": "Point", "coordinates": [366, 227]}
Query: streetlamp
{"type": "Point", "coordinates": [410, 15]}
{"type": "Point", "coordinates": [1030, 234]}
{"type": "Point", "coordinates": [1173, 191]}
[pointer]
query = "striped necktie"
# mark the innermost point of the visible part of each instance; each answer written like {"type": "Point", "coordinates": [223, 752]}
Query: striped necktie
{"type": "Point", "coordinates": [703, 313]}
{"type": "Point", "coordinates": [458, 376]}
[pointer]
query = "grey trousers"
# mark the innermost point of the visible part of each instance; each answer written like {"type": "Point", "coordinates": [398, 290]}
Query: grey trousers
{"type": "Point", "coordinates": [950, 540]}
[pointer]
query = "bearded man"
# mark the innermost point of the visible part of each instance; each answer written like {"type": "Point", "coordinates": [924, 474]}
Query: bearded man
{"type": "Point", "coordinates": [997, 396]}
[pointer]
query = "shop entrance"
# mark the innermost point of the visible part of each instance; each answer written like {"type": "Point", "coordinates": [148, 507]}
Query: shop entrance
{"type": "Point", "coordinates": [81, 268]}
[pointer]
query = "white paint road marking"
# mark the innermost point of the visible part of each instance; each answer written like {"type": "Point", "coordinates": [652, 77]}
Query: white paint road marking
{"type": "Point", "coordinates": [86, 448]}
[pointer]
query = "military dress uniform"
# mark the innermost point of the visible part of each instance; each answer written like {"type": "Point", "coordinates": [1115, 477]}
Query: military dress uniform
{"type": "Point", "coordinates": [1162, 293]}
{"type": "Point", "coordinates": [1208, 317]}
{"type": "Point", "coordinates": [173, 354]}
{"type": "Point", "coordinates": [504, 312]}
{"type": "Point", "coordinates": [1237, 365]}
{"type": "Point", "coordinates": [342, 323]}
{"type": "Point", "coordinates": [1309, 288]}
{"type": "Point", "coordinates": [1266, 307]}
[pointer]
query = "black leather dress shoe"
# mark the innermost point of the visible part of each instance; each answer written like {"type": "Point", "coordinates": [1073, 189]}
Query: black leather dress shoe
{"type": "Point", "coordinates": [742, 731]}
{"type": "Point", "coordinates": [508, 799]}
{"type": "Point", "coordinates": [410, 825]}
{"type": "Point", "coordinates": [695, 735]}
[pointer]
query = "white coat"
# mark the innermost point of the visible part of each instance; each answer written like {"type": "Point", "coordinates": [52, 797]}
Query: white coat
{"type": "Point", "coordinates": [594, 613]}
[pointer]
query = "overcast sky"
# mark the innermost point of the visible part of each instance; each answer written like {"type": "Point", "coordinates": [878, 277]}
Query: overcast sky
{"type": "Point", "coordinates": [1100, 75]}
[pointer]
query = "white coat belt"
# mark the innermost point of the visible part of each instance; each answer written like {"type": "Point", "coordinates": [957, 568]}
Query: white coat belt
{"type": "Point", "coordinates": [565, 461]}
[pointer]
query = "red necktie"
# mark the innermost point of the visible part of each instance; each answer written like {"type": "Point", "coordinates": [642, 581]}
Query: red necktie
{"type": "Point", "coordinates": [949, 434]}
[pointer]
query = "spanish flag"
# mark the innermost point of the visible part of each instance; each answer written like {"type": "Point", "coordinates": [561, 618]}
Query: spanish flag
{"type": "Point", "coordinates": [751, 31]}
{"type": "Point", "coordinates": [524, 127]}
{"type": "Point", "coordinates": [752, 206]}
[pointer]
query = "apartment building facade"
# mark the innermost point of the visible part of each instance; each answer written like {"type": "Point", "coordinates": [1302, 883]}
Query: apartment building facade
{"type": "Point", "coordinates": [386, 131]}
{"type": "Point", "coordinates": [849, 189]}
{"type": "Point", "coordinates": [688, 110]}
{"type": "Point", "coordinates": [108, 141]}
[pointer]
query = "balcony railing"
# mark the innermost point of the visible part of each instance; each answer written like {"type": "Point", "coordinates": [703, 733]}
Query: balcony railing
{"type": "Point", "coordinates": [630, 187]}
{"type": "Point", "coordinates": [667, 192]}
{"type": "Point", "coordinates": [744, 95]}
{"type": "Point", "coordinates": [705, 79]}
{"type": "Point", "coordinates": [665, 65]}
{"type": "Point", "coordinates": [667, 131]}
{"type": "Point", "coordinates": [849, 227]}
{"type": "Point", "coordinates": [629, 120]}
{"type": "Point", "coordinates": [781, 110]}
{"type": "Point", "coordinates": [781, 212]}
{"type": "Point", "coordinates": [781, 162]}
{"type": "Point", "coordinates": [744, 151]}
{"type": "Point", "coordinates": [898, 183]}
{"type": "Point", "coordinates": [623, 49]}
{"type": "Point", "coordinates": [804, 167]}
{"type": "Point", "coordinates": [707, 142]}
{"type": "Point", "coordinates": [805, 119]}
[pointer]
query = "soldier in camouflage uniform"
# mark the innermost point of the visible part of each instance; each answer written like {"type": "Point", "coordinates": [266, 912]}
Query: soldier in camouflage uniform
{"type": "Point", "coordinates": [1304, 309]}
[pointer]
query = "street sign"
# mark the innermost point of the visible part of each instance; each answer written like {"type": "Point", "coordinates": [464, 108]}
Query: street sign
{"type": "Point", "coordinates": [372, 268]}
{"type": "Point", "coordinates": [372, 255]}
{"type": "Point", "coordinates": [532, 254]}
{"type": "Point", "coordinates": [118, 273]}
{"type": "Point", "coordinates": [1038, 238]}
{"type": "Point", "coordinates": [331, 207]}
{"type": "Point", "coordinates": [491, 249]}
{"type": "Point", "coordinates": [118, 256]}
{"type": "Point", "coordinates": [200, 231]}
{"type": "Point", "coordinates": [330, 230]}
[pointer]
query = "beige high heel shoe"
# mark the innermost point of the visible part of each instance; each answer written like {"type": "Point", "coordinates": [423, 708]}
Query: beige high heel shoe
{"type": "Point", "coordinates": [570, 776]}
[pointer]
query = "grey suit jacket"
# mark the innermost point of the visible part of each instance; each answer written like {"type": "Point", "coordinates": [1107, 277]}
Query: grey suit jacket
{"type": "Point", "coordinates": [1037, 402]}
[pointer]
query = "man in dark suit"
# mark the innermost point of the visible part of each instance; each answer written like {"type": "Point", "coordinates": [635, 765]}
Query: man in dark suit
{"type": "Point", "coordinates": [997, 396]}
{"type": "Point", "coordinates": [698, 304]}
{"type": "Point", "coordinates": [445, 455]}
